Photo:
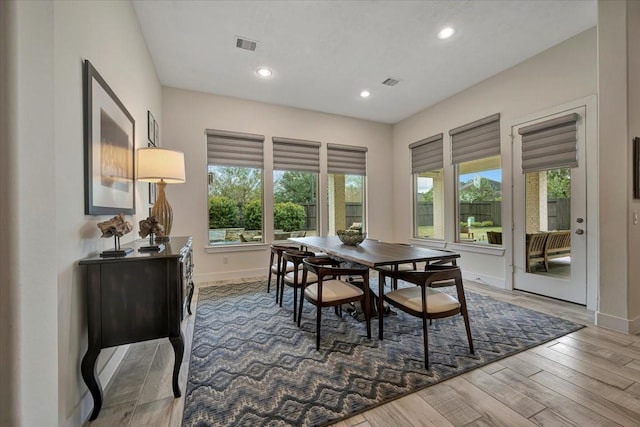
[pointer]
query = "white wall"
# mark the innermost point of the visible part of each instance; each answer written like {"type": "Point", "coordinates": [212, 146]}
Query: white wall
{"type": "Point", "coordinates": [50, 231]}
{"type": "Point", "coordinates": [633, 55]}
{"type": "Point", "coordinates": [187, 115]}
{"type": "Point", "coordinates": [561, 74]}
{"type": "Point", "coordinates": [619, 105]}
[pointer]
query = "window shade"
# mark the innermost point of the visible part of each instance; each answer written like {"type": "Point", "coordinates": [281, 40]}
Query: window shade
{"type": "Point", "coordinates": [296, 155]}
{"type": "Point", "coordinates": [226, 148]}
{"type": "Point", "coordinates": [476, 140]}
{"type": "Point", "coordinates": [426, 154]}
{"type": "Point", "coordinates": [346, 159]}
{"type": "Point", "coordinates": [550, 144]}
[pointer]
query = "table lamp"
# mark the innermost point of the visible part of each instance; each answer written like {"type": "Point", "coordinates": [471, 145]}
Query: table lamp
{"type": "Point", "coordinates": [162, 167]}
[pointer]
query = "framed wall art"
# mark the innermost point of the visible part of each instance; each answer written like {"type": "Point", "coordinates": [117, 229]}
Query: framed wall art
{"type": "Point", "coordinates": [151, 129]}
{"type": "Point", "coordinates": [109, 149]}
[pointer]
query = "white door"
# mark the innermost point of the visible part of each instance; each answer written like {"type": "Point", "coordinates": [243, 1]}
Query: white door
{"type": "Point", "coordinates": [550, 207]}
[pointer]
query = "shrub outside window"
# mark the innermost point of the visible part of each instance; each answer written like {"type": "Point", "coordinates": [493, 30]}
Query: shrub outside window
{"type": "Point", "coordinates": [479, 199]}
{"type": "Point", "coordinates": [345, 195]}
{"type": "Point", "coordinates": [295, 196]}
{"type": "Point", "coordinates": [235, 205]}
{"type": "Point", "coordinates": [429, 205]}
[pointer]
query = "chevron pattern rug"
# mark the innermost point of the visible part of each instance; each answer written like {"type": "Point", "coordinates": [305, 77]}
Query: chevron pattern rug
{"type": "Point", "coordinates": [252, 366]}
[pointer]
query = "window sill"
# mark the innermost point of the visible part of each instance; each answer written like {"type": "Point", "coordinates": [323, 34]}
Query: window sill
{"type": "Point", "coordinates": [249, 247]}
{"type": "Point", "coordinates": [435, 244]}
{"type": "Point", "coordinates": [476, 248]}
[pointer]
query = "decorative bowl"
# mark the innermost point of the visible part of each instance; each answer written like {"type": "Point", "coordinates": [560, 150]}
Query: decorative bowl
{"type": "Point", "coordinates": [351, 237]}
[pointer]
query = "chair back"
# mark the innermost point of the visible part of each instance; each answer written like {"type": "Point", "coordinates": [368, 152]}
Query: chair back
{"type": "Point", "coordinates": [325, 266]}
{"type": "Point", "coordinates": [296, 256]}
{"type": "Point", "coordinates": [432, 274]}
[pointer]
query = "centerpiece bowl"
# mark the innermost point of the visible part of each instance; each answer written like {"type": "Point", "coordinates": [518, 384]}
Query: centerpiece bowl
{"type": "Point", "coordinates": [351, 237]}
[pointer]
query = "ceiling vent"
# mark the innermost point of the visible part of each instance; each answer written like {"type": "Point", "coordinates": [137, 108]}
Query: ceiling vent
{"type": "Point", "coordinates": [390, 82]}
{"type": "Point", "coordinates": [246, 44]}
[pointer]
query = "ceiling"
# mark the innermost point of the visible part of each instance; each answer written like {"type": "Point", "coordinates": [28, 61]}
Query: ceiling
{"type": "Point", "coordinates": [324, 53]}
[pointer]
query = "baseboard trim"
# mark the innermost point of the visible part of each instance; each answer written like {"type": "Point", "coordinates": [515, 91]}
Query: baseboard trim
{"type": "Point", "coordinates": [230, 275]}
{"type": "Point", "coordinates": [82, 411]}
{"type": "Point", "coordinates": [496, 282]}
{"type": "Point", "coordinates": [618, 324]}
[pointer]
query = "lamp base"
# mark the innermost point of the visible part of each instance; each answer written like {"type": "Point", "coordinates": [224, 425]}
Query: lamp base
{"type": "Point", "coordinates": [162, 210]}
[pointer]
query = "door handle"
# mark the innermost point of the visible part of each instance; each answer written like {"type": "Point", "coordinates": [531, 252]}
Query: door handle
{"type": "Point", "coordinates": [580, 231]}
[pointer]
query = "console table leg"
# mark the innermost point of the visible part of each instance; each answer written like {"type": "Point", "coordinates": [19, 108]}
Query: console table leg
{"type": "Point", "coordinates": [189, 297]}
{"type": "Point", "coordinates": [178, 350]}
{"type": "Point", "coordinates": [88, 369]}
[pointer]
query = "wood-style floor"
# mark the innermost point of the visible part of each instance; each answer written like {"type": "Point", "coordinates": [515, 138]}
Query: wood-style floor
{"type": "Point", "coordinates": [588, 378]}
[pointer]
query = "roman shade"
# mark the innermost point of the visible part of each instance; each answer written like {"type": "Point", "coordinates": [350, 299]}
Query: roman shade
{"type": "Point", "coordinates": [296, 155]}
{"type": "Point", "coordinates": [225, 148]}
{"type": "Point", "coordinates": [346, 159]}
{"type": "Point", "coordinates": [426, 154]}
{"type": "Point", "coordinates": [550, 144]}
{"type": "Point", "coordinates": [476, 140]}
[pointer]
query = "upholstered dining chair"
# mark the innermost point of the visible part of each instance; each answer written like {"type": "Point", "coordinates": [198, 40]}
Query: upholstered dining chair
{"type": "Point", "coordinates": [428, 303]}
{"type": "Point", "coordinates": [277, 267]}
{"type": "Point", "coordinates": [331, 290]}
{"type": "Point", "coordinates": [294, 277]}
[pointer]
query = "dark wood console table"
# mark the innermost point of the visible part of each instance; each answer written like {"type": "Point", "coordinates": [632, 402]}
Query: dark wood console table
{"type": "Point", "coordinates": [137, 297]}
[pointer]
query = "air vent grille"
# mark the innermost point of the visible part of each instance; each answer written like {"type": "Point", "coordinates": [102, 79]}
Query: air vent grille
{"type": "Point", "coordinates": [391, 82]}
{"type": "Point", "coordinates": [246, 44]}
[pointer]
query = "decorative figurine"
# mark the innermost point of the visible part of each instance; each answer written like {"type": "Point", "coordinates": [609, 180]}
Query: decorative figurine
{"type": "Point", "coordinates": [115, 227]}
{"type": "Point", "coordinates": [150, 227]}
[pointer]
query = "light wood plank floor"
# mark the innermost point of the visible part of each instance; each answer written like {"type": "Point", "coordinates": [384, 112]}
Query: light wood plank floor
{"type": "Point", "coordinates": [588, 378]}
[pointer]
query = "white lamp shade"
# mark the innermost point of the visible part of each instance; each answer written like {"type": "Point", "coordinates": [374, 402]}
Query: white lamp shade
{"type": "Point", "coordinates": [156, 164]}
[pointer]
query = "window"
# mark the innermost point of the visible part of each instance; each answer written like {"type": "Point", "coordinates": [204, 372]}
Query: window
{"type": "Point", "coordinates": [296, 164]}
{"type": "Point", "coordinates": [428, 185]}
{"type": "Point", "coordinates": [235, 162]}
{"type": "Point", "coordinates": [347, 168]}
{"type": "Point", "coordinates": [475, 149]}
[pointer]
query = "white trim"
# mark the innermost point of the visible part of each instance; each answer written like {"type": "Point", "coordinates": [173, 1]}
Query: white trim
{"type": "Point", "coordinates": [496, 282]}
{"type": "Point", "coordinates": [82, 411]}
{"type": "Point", "coordinates": [618, 324]}
{"type": "Point", "coordinates": [230, 275]}
{"type": "Point", "coordinates": [435, 244]}
{"type": "Point", "coordinates": [236, 248]}
{"type": "Point", "coordinates": [477, 249]}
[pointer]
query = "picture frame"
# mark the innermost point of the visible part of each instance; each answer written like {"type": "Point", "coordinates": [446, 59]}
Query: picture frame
{"type": "Point", "coordinates": [151, 129]}
{"type": "Point", "coordinates": [109, 148]}
{"type": "Point", "coordinates": [636, 168]}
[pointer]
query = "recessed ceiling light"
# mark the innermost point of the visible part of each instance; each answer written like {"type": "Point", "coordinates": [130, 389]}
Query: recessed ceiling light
{"type": "Point", "coordinates": [445, 33]}
{"type": "Point", "coordinates": [365, 94]}
{"type": "Point", "coordinates": [264, 72]}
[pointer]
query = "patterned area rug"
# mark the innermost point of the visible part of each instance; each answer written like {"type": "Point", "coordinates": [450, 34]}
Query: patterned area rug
{"type": "Point", "coordinates": [252, 366]}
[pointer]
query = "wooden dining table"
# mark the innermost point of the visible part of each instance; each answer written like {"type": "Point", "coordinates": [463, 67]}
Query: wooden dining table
{"type": "Point", "coordinates": [375, 254]}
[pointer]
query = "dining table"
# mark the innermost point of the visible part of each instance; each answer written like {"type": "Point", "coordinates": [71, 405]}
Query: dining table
{"type": "Point", "coordinates": [376, 255]}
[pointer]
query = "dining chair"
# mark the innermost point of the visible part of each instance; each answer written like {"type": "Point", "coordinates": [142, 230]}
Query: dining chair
{"type": "Point", "coordinates": [331, 290]}
{"type": "Point", "coordinates": [277, 267]}
{"type": "Point", "coordinates": [294, 277]}
{"type": "Point", "coordinates": [427, 303]}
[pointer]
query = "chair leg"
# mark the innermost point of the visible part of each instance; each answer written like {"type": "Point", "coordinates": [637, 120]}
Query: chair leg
{"type": "Point", "coordinates": [281, 290]}
{"type": "Point", "coordinates": [300, 308]}
{"type": "Point", "coordinates": [295, 303]}
{"type": "Point", "coordinates": [426, 342]}
{"type": "Point", "coordinates": [318, 320]}
{"type": "Point", "coordinates": [269, 281]}
{"type": "Point", "coordinates": [465, 316]}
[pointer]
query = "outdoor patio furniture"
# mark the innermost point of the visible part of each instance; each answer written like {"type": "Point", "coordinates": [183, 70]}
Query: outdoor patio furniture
{"type": "Point", "coordinates": [558, 245]}
{"type": "Point", "coordinates": [535, 249]}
